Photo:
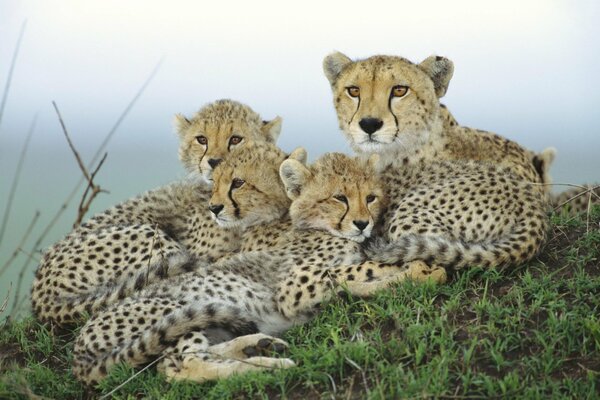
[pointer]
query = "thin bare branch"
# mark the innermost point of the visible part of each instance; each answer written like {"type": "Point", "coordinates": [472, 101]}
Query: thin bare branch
{"type": "Point", "coordinates": [125, 112]}
{"type": "Point", "coordinates": [5, 302]}
{"type": "Point", "coordinates": [63, 207]}
{"type": "Point", "coordinates": [36, 246]}
{"type": "Point", "coordinates": [82, 167]}
{"type": "Point", "coordinates": [15, 182]}
{"type": "Point", "coordinates": [11, 70]}
{"type": "Point", "coordinates": [109, 394]}
{"type": "Point", "coordinates": [21, 243]}
{"type": "Point", "coordinates": [590, 191]}
{"type": "Point", "coordinates": [84, 204]}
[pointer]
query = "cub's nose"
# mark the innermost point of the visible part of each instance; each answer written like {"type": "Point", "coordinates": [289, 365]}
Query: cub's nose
{"type": "Point", "coordinates": [215, 208]}
{"type": "Point", "coordinates": [361, 224]}
{"type": "Point", "coordinates": [213, 162]}
{"type": "Point", "coordinates": [370, 125]}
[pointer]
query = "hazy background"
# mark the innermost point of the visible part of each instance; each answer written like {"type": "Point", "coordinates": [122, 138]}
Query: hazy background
{"type": "Point", "coordinates": [526, 69]}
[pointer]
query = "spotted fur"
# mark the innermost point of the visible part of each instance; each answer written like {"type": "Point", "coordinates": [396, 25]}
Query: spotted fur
{"type": "Point", "coordinates": [194, 320]}
{"type": "Point", "coordinates": [159, 234]}
{"type": "Point", "coordinates": [458, 196]}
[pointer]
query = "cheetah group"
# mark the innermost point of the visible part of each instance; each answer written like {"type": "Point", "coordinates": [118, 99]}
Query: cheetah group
{"type": "Point", "coordinates": [202, 276]}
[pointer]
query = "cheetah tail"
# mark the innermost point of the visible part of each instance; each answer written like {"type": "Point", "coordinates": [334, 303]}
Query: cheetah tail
{"type": "Point", "coordinates": [513, 248]}
{"type": "Point", "coordinates": [145, 348]}
{"type": "Point", "coordinates": [110, 294]}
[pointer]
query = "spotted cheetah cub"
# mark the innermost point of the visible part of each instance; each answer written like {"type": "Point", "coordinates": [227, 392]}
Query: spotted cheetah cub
{"type": "Point", "coordinates": [154, 235]}
{"type": "Point", "coordinates": [222, 319]}
{"type": "Point", "coordinates": [458, 196]}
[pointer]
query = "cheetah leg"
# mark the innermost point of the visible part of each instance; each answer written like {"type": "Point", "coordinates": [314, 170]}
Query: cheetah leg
{"type": "Point", "coordinates": [417, 271]}
{"type": "Point", "coordinates": [192, 358]}
{"type": "Point", "coordinates": [306, 289]}
{"type": "Point", "coordinates": [241, 347]}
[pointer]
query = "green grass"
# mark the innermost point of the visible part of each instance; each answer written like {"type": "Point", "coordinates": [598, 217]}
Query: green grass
{"type": "Point", "coordinates": [529, 332]}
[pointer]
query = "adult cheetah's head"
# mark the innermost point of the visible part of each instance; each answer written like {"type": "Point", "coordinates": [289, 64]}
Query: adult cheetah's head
{"type": "Point", "coordinates": [337, 194]}
{"type": "Point", "coordinates": [247, 190]}
{"type": "Point", "coordinates": [217, 129]}
{"type": "Point", "coordinates": [386, 103]}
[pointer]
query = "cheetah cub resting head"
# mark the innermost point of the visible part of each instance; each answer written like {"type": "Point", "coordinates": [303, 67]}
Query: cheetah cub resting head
{"type": "Point", "coordinates": [247, 190]}
{"type": "Point", "coordinates": [215, 130]}
{"type": "Point", "coordinates": [337, 194]}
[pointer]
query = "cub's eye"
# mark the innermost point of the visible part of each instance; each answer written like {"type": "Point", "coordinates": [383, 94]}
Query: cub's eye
{"type": "Point", "coordinates": [341, 197]}
{"type": "Point", "coordinates": [237, 183]}
{"type": "Point", "coordinates": [202, 140]}
{"type": "Point", "coordinates": [399, 91]}
{"type": "Point", "coordinates": [371, 198]}
{"type": "Point", "coordinates": [353, 91]}
{"type": "Point", "coordinates": [235, 140]}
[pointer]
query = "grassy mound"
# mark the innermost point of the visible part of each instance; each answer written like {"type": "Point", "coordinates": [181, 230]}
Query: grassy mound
{"type": "Point", "coordinates": [532, 332]}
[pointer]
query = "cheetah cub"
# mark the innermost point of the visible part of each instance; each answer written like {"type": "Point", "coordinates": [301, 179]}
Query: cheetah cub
{"type": "Point", "coordinates": [222, 319]}
{"type": "Point", "coordinates": [458, 196]}
{"type": "Point", "coordinates": [152, 236]}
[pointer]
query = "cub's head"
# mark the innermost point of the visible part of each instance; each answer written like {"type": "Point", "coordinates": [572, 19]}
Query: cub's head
{"type": "Point", "coordinates": [218, 128]}
{"type": "Point", "coordinates": [387, 103]}
{"type": "Point", "coordinates": [247, 190]}
{"type": "Point", "coordinates": [337, 194]}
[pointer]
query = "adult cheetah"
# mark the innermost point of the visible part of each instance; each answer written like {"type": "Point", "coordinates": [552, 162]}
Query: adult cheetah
{"type": "Point", "coordinates": [458, 196]}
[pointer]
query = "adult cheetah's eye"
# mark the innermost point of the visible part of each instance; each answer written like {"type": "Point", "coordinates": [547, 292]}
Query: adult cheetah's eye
{"type": "Point", "coordinates": [237, 183]}
{"type": "Point", "coordinates": [341, 198]}
{"type": "Point", "coordinates": [235, 140]}
{"type": "Point", "coordinates": [202, 140]}
{"type": "Point", "coordinates": [399, 91]}
{"type": "Point", "coordinates": [353, 91]}
{"type": "Point", "coordinates": [371, 198]}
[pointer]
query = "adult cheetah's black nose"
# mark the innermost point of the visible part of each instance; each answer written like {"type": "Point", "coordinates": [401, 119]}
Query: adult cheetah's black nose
{"type": "Point", "coordinates": [215, 208]}
{"type": "Point", "coordinates": [361, 224]}
{"type": "Point", "coordinates": [370, 125]}
{"type": "Point", "coordinates": [213, 162]}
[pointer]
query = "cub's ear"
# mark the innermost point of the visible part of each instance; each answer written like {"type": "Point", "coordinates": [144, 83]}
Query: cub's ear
{"type": "Point", "coordinates": [440, 70]}
{"type": "Point", "coordinates": [294, 176]}
{"type": "Point", "coordinates": [333, 64]}
{"type": "Point", "coordinates": [298, 154]}
{"type": "Point", "coordinates": [181, 123]}
{"type": "Point", "coordinates": [271, 129]}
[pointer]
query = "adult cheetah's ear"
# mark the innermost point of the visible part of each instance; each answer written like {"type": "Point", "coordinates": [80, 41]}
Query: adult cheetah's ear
{"type": "Point", "coordinates": [181, 123]}
{"type": "Point", "coordinates": [294, 175]}
{"type": "Point", "coordinates": [298, 154]}
{"type": "Point", "coordinates": [440, 70]}
{"type": "Point", "coordinates": [271, 129]}
{"type": "Point", "coordinates": [333, 64]}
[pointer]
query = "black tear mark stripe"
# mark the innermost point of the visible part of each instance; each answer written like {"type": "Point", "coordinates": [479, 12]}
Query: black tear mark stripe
{"type": "Point", "coordinates": [236, 208]}
{"type": "Point", "coordinates": [355, 111]}
{"type": "Point", "coordinates": [393, 115]}
{"type": "Point", "coordinates": [343, 216]}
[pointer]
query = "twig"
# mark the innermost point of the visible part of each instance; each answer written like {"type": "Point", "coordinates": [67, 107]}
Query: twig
{"type": "Point", "coordinates": [85, 202]}
{"type": "Point", "coordinates": [21, 243]}
{"type": "Point", "coordinates": [15, 182]}
{"type": "Point", "coordinates": [587, 190]}
{"type": "Point", "coordinates": [69, 198]}
{"type": "Point", "coordinates": [132, 377]}
{"type": "Point", "coordinates": [5, 302]}
{"type": "Point", "coordinates": [11, 70]}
